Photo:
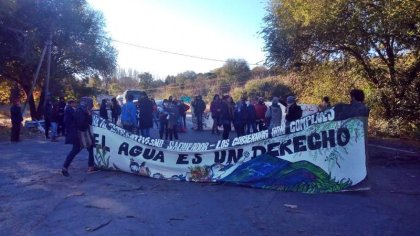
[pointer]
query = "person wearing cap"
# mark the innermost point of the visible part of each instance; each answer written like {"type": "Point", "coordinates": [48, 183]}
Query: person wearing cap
{"type": "Point", "coordinates": [274, 114]}
{"type": "Point", "coordinates": [260, 110]}
{"type": "Point", "coordinates": [293, 111]}
{"type": "Point", "coordinates": [80, 121]}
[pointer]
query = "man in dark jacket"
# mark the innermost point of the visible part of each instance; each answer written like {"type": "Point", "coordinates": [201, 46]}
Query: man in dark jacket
{"type": "Point", "coordinates": [81, 121]}
{"type": "Point", "coordinates": [199, 107]}
{"type": "Point", "coordinates": [146, 115]}
{"type": "Point", "coordinates": [294, 111]}
{"type": "Point", "coordinates": [16, 118]}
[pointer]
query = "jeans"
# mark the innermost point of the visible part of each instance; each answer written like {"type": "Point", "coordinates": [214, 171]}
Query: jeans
{"type": "Point", "coordinates": [54, 127]}
{"type": "Point", "coordinates": [74, 151]}
{"type": "Point", "coordinates": [145, 132]}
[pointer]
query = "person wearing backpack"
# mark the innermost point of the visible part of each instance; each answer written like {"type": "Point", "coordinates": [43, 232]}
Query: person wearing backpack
{"type": "Point", "coordinates": [129, 114]}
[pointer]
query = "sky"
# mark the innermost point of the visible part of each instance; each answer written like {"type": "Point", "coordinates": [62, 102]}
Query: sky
{"type": "Point", "coordinates": [216, 29]}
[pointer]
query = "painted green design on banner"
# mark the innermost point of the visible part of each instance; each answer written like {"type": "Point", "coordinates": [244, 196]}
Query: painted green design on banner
{"type": "Point", "coordinates": [268, 172]}
{"type": "Point", "coordinates": [101, 157]}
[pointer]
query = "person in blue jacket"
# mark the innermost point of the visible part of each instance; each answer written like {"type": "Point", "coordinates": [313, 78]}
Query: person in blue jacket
{"type": "Point", "coordinates": [129, 114]}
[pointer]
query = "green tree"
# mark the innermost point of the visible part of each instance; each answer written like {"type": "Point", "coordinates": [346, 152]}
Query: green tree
{"type": "Point", "coordinates": [80, 46]}
{"type": "Point", "coordinates": [146, 80]}
{"type": "Point", "coordinates": [235, 71]}
{"type": "Point", "coordinates": [381, 36]}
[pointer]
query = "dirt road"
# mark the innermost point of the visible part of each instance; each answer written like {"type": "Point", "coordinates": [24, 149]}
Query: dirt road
{"type": "Point", "coordinates": [37, 200]}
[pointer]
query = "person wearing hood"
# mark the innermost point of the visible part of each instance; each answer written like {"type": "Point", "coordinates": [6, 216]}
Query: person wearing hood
{"type": "Point", "coordinates": [293, 111]}
{"type": "Point", "coordinates": [80, 121]}
{"type": "Point", "coordinates": [274, 114]}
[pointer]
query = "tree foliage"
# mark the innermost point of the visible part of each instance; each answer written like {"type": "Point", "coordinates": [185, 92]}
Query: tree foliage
{"type": "Point", "coordinates": [382, 38]}
{"type": "Point", "coordinates": [80, 46]}
{"type": "Point", "coordinates": [235, 71]}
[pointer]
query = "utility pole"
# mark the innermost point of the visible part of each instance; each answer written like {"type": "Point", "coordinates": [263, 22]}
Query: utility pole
{"type": "Point", "coordinates": [47, 83]}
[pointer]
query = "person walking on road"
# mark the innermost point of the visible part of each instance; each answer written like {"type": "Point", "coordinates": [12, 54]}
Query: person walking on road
{"type": "Point", "coordinates": [79, 124]}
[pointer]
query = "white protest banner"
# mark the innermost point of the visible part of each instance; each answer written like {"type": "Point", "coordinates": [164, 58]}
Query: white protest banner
{"type": "Point", "coordinates": [322, 152]}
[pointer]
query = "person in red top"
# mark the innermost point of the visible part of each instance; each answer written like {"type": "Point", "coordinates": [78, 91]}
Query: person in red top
{"type": "Point", "coordinates": [260, 110]}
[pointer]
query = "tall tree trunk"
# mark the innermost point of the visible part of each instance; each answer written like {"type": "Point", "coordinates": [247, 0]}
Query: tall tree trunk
{"type": "Point", "coordinates": [31, 102]}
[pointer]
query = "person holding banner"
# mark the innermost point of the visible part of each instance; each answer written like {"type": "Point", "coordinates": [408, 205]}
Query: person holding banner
{"type": "Point", "coordinates": [293, 111]}
{"type": "Point", "coordinates": [79, 134]}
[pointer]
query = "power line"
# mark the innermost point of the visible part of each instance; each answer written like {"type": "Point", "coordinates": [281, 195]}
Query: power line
{"type": "Point", "coordinates": [177, 53]}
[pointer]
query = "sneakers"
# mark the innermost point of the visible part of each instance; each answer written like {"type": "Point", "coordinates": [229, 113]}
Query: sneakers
{"type": "Point", "coordinates": [65, 172]}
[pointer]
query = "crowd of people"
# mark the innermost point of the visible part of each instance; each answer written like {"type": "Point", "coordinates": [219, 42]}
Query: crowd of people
{"type": "Point", "coordinates": [246, 116]}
